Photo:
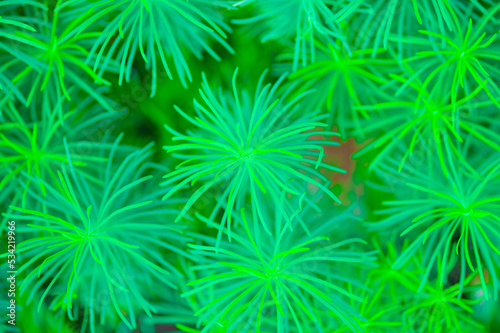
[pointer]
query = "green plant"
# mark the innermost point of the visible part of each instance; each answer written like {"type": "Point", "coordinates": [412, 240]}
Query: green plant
{"type": "Point", "coordinates": [457, 218]}
{"type": "Point", "coordinates": [389, 108]}
{"type": "Point", "coordinates": [266, 152]}
{"type": "Point", "coordinates": [438, 308]}
{"type": "Point", "coordinates": [345, 79]}
{"type": "Point", "coordinates": [403, 18]}
{"type": "Point", "coordinates": [278, 272]}
{"type": "Point", "coordinates": [56, 60]}
{"type": "Point", "coordinates": [163, 28]}
{"type": "Point", "coordinates": [84, 245]}
{"type": "Point", "coordinates": [12, 41]}
{"type": "Point", "coordinates": [434, 122]}
{"type": "Point", "coordinates": [39, 145]}
{"type": "Point", "coordinates": [301, 21]}
{"type": "Point", "coordinates": [467, 59]}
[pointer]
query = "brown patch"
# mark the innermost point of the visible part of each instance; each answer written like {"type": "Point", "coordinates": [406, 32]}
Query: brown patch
{"type": "Point", "coordinates": [477, 280]}
{"type": "Point", "coordinates": [341, 156]}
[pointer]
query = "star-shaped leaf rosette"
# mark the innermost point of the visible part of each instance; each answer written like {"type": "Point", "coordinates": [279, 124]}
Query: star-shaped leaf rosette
{"type": "Point", "coordinates": [279, 282]}
{"type": "Point", "coordinates": [454, 220]}
{"type": "Point", "coordinates": [86, 252]}
{"type": "Point", "coordinates": [251, 150]}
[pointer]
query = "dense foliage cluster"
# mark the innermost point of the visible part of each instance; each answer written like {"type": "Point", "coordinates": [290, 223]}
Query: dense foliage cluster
{"type": "Point", "coordinates": [250, 166]}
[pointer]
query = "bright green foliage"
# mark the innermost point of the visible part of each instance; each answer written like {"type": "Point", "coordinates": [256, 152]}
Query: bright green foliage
{"type": "Point", "coordinates": [39, 146]}
{"type": "Point", "coordinates": [437, 309]}
{"type": "Point", "coordinates": [56, 60]}
{"type": "Point", "coordinates": [392, 282]}
{"type": "Point", "coordinates": [434, 121]}
{"type": "Point", "coordinates": [464, 205]}
{"type": "Point", "coordinates": [154, 28]}
{"type": "Point", "coordinates": [250, 148]}
{"type": "Point", "coordinates": [392, 21]}
{"type": "Point", "coordinates": [301, 21]}
{"type": "Point", "coordinates": [85, 246]}
{"type": "Point", "coordinates": [12, 41]}
{"type": "Point", "coordinates": [388, 289]}
{"type": "Point", "coordinates": [344, 80]}
{"type": "Point", "coordinates": [389, 107]}
{"type": "Point", "coordinates": [465, 61]}
{"type": "Point", "coordinates": [280, 274]}
{"type": "Point", "coordinates": [376, 318]}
